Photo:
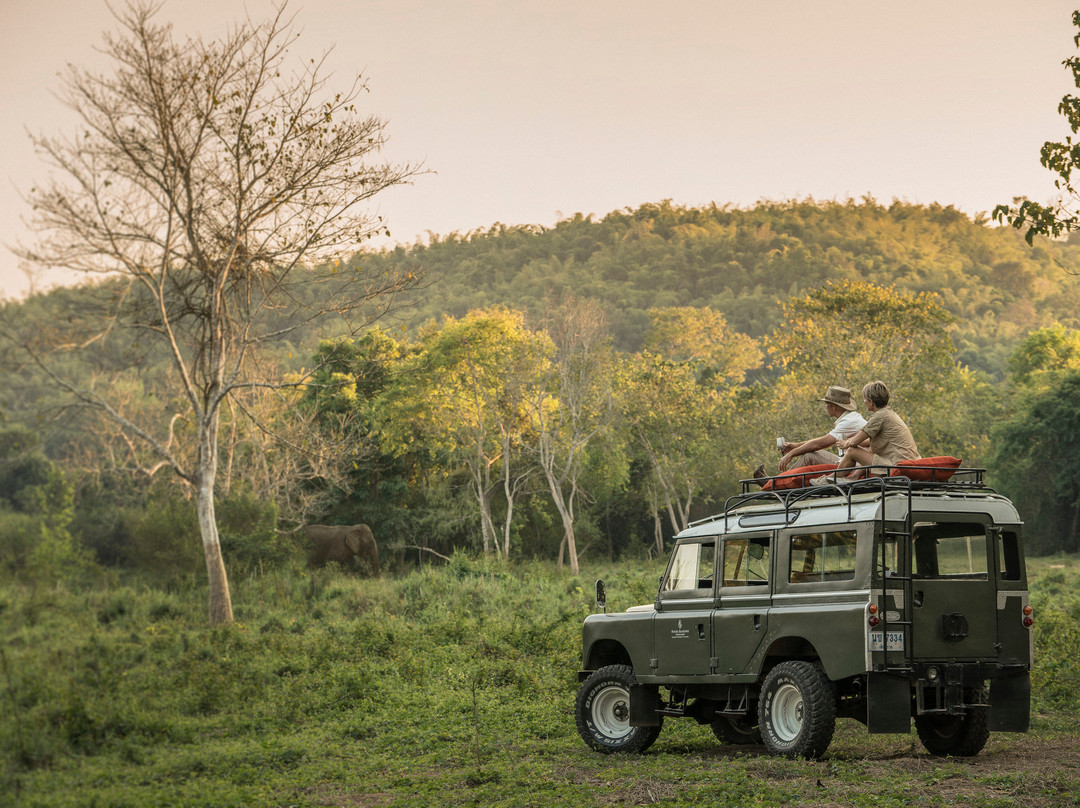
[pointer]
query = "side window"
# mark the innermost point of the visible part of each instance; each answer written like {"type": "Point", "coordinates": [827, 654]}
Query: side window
{"type": "Point", "coordinates": [950, 550]}
{"type": "Point", "coordinates": [892, 559]}
{"type": "Point", "coordinates": [822, 557]}
{"type": "Point", "coordinates": [746, 562]}
{"type": "Point", "coordinates": [691, 567]}
{"type": "Point", "coordinates": [1009, 555]}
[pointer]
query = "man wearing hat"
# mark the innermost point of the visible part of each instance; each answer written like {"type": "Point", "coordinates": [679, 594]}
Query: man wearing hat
{"type": "Point", "coordinates": [839, 405]}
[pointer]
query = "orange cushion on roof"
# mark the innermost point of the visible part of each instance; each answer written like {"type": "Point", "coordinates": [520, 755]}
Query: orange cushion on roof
{"type": "Point", "coordinates": [797, 478]}
{"type": "Point", "coordinates": [927, 469]}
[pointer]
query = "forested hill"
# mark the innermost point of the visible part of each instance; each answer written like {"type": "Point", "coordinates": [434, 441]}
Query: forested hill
{"type": "Point", "coordinates": [744, 262]}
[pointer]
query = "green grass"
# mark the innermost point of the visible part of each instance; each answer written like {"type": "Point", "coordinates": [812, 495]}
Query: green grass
{"type": "Point", "coordinates": [444, 686]}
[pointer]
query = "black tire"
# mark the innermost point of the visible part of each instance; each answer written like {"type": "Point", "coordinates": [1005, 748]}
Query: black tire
{"type": "Point", "coordinates": [797, 710]}
{"type": "Point", "coordinates": [602, 712]}
{"type": "Point", "coordinates": [957, 735]}
{"type": "Point", "coordinates": [736, 730]}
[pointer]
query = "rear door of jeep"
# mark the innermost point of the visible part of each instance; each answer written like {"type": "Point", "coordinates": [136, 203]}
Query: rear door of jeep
{"type": "Point", "coordinates": [954, 588]}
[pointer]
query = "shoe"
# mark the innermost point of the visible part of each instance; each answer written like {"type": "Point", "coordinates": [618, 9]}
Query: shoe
{"type": "Point", "coordinates": [822, 480]}
{"type": "Point", "coordinates": [759, 473]}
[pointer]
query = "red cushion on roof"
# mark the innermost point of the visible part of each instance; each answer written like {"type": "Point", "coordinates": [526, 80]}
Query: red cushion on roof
{"type": "Point", "coordinates": [927, 469]}
{"type": "Point", "coordinates": [797, 478]}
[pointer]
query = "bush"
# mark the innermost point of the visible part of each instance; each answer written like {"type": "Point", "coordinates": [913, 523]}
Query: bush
{"type": "Point", "coordinates": [163, 538]}
{"type": "Point", "coordinates": [1055, 597]}
{"type": "Point", "coordinates": [250, 541]}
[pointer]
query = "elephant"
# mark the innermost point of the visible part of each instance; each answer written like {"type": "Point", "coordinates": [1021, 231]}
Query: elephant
{"type": "Point", "coordinates": [341, 542]}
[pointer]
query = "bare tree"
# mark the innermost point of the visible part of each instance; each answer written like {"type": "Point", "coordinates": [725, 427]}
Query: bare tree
{"type": "Point", "coordinates": [214, 186]}
{"type": "Point", "coordinates": [571, 408]}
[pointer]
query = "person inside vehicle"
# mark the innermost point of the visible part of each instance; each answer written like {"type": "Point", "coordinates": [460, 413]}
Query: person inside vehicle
{"type": "Point", "coordinates": [840, 406]}
{"type": "Point", "coordinates": [890, 439]}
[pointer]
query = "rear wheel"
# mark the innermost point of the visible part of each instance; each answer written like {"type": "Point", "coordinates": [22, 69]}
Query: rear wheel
{"type": "Point", "coordinates": [797, 710]}
{"type": "Point", "coordinates": [602, 712]}
{"type": "Point", "coordinates": [736, 730]}
{"type": "Point", "coordinates": [959, 735]}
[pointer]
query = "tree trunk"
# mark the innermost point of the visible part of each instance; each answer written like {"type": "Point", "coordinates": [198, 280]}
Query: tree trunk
{"type": "Point", "coordinates": [565, 507]}
{"type": "Point", "coordinates": [220, 599]}
{"type": "Point", "coordinates": [569, 540]}
{"type": "Point", "coordinates": [509, 493]}
{"type": "Point", "coordinates": [487, 524]}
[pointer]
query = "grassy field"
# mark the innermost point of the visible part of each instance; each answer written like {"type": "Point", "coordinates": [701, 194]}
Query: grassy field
{"type": "Point", "coordinates": [450, 685]}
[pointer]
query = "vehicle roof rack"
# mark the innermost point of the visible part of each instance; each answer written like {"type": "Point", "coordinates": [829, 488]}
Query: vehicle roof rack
{"type": "Point", "coordinates": [927, 477]}
{"type": "Point", "coordinates": [942, 480]}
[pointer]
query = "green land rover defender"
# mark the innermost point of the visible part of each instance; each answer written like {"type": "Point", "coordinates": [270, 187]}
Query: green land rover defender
{"type": "Point", "coordinates": [882, 600]}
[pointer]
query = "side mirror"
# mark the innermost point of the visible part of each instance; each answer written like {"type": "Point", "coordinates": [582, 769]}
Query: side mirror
{"type": "Point", "coordinates": [601, 595]}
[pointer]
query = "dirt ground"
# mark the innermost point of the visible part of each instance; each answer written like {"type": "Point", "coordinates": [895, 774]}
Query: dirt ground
{"type": "Point", "coordinates": [1012, 770]}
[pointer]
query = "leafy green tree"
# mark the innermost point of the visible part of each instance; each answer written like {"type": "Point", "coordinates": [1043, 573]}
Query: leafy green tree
{"type": "Point", "coordinates": [702, 336]}
{"type": "Point", "coordinates": [1045, 352]}
{"type": "Point", "coordinates": [464, 395]}
{"type": "Point", "coordinates": [851, 333]}
{"type": "Point", "coordinates": [36, 512]}
{"type": "Point", "coordinates": [216, 182]}
{"type": "Point", "coordinates": [1034, 462]}
{"type": "Point", "coordinates": [675, 423]}
{"type": "Point", "coordinates": [1062, 159]}
{"type": "Point", "coordinates": [348, 397]}
{"type": "Point", "coordinates": [572, 410]}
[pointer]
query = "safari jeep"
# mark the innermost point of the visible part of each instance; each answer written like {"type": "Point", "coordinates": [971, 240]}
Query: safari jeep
{"type": "Point", "coordinates": [883, 600]}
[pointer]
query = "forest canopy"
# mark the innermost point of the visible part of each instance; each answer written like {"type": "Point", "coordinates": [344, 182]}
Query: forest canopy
{"type": "Point", "coordinates": [590, 387]}
{"type": "Point", "coordinates": [744, 262]}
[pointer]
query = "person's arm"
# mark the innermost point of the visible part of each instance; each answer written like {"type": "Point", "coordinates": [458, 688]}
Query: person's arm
{"type": "Point", "coordinates": [793, 450]}
{"type": "Point", "coordinates": [857, 439]}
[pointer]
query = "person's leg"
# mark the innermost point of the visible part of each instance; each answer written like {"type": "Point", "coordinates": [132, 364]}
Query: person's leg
{"type": "Point", "coordinates": [857, 456]}
{"type": "Point", "coordinates": [848, 461]}
{"type": "Point", "coordinates": [818, 458]}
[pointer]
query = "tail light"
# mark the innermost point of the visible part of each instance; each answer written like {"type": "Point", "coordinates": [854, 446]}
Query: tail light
{"type": "Point", "coordinates": [1029, 621]}
{"type": "Point", "coordinates": [873, 618]}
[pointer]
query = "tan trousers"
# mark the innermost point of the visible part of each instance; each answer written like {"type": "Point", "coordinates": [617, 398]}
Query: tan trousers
{"type": "Point", "coordinates": [818, 458]}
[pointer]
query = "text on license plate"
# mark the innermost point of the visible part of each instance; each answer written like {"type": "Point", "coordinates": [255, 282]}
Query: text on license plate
{"type": "Point", "coordinates": [896, 641]}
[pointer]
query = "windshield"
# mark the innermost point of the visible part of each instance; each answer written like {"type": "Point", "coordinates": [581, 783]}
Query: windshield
{"type": "Point", "coordinates": [691, 567]}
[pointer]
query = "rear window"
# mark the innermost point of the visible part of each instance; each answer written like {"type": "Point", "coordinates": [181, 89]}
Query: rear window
{"type": "Point", "coordinates": [1009, 556]}
{"type": "Point", "coordinates": [950, 550]}
{"type": "Point", "coordinates": [822, 557]}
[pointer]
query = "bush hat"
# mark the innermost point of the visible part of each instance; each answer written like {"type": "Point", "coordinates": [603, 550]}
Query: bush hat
{"type": "Point", "coordinates": [840, 396]}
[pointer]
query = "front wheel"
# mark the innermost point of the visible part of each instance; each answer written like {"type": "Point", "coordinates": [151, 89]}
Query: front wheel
{"type": "Point", "coordinates": [958, 735]}
{"type": "Point", "coordinates": [602, 712]}
{"type": "Point", "coordinates": [797, 710]}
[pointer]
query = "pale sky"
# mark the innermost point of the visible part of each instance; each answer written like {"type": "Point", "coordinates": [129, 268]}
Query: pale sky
{"type": "Point", "coordinates": [529, 111]}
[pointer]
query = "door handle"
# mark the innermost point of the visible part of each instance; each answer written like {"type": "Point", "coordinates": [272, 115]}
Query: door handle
{"type": "Point", "coordinates": [701, 631]}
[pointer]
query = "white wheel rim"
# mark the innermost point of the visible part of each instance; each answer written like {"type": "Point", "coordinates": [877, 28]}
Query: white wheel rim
{"type": "Point", "coordinates": [611, 711]}
{"type": "Point", "coordinates": [787, 713]}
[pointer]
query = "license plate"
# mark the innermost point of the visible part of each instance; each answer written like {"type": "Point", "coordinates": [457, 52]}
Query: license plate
{"type": "Point", "coordinates": [896, 641]}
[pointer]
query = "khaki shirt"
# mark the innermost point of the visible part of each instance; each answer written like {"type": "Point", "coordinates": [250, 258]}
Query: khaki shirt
{"type": "Point", "coordinates": [890, 438]}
